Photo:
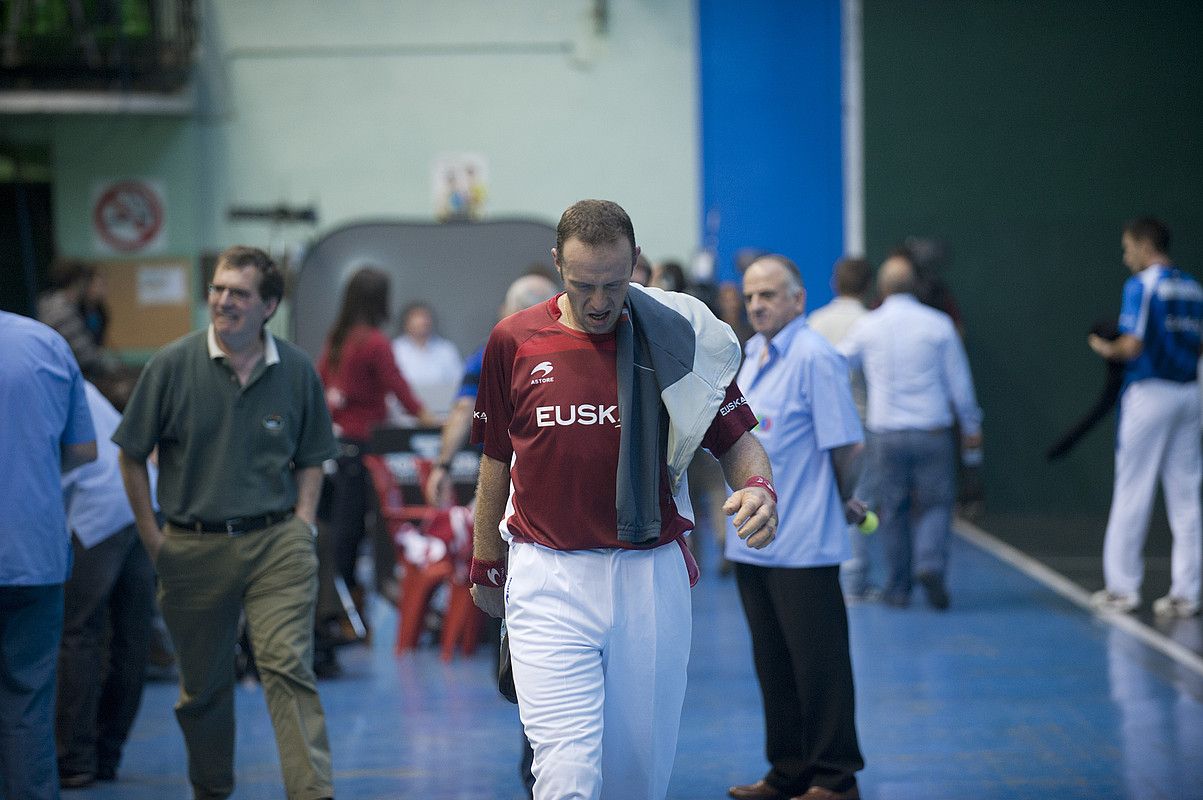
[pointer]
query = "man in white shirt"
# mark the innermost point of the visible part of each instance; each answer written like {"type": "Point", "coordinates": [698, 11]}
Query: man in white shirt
{"type": "Point", "coordinates": [110, 596]}
{"type": "Point", "coordinates": [851, 280]}
{"type": "Point", "coordinates": [918, 378]}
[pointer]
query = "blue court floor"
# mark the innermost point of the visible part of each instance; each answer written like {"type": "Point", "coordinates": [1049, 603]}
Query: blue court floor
{"type": "Point", "coordinates": [1015, 692]}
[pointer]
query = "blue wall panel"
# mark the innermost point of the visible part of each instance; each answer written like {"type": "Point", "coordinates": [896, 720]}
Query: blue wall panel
{"type": "Point", "coordinates": [771, 138]}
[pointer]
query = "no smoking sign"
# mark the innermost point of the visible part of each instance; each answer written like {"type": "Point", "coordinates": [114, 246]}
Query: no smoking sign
{"type": "Point", "coordinates": [128, 216]}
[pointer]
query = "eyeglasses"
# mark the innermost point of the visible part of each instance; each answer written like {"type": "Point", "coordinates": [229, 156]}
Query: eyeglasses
{"type": "Point", "coordinates": [241, 295]}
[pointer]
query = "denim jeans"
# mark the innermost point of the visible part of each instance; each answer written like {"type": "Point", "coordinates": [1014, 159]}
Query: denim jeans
{"type": "Point", "coordinates": [857, 573]}
{"type": "Point", "coordinates": [31, 620]}
{"type": "Point", "coordinates": [915, 475]}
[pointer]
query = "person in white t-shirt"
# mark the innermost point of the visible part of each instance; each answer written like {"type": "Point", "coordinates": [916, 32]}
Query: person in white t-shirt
{"type": "Point", "coordinates": [432, 365]}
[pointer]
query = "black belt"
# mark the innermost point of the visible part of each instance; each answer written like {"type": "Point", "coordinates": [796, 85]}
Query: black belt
{"type": "Point", "coordinates": [235, 526]}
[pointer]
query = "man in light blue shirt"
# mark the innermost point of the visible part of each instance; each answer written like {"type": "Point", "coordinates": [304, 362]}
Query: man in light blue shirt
{"type": "Point", "coordinates": [1158, 436]}
{"type": "Point", "coordinates": [918, 381]}
{"type": "Point", "coordinates": [47, 429]}
{"type": "Point", "coordinates": [799, 387]}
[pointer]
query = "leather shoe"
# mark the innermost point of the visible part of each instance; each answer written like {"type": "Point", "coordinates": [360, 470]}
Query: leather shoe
{"type": "Point", "coordinates": [933, 585]}
{"type": "Point", "coordinates": [761, 790]}
{"type": "Point", "coordinates": [76, 780]}
{"type": "Point", "coordinates": [821, 793]}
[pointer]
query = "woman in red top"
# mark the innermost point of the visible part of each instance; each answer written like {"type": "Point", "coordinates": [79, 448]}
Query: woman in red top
{"type": "Point", "coordinates": [358, 370]}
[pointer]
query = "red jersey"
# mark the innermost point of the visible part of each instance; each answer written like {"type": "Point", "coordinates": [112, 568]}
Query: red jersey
{"type": "Point", "coordinates": [367, 372]}
{"type": "Point", "coordinates": [548, 407]}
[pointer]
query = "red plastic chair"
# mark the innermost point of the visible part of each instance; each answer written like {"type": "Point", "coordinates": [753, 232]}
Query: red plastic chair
{"type": "Point", "coordinates": [442, 555]}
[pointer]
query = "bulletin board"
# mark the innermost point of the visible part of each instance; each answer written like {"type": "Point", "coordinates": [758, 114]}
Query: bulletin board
{"type": "Point", "coordinates": [150, 301]}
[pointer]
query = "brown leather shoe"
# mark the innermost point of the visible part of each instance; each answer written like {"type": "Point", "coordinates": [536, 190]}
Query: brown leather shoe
{"type": "Point", "coordinates": [820, 793]}
{"type": "Point", "coordinates": [760, 790]}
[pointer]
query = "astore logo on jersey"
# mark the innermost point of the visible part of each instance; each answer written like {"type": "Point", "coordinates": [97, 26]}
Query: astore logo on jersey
{"type": "Point", "coordinates": [549, 416]}
{"type": "Point", "coordinates": [544, 369]}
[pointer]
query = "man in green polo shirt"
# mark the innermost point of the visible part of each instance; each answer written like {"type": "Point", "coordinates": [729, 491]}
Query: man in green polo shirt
{"type": "Point", "coordinates": [242, 430]}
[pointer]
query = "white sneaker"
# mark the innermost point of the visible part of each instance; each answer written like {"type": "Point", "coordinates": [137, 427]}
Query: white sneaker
{"type": "Point", "coordinates": [1170, 606]}
{"type": "Point", "coordinates": [1111, 601]}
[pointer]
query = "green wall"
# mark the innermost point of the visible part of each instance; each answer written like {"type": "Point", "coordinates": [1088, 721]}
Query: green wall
{"type": "Point", "coordinates": [1024, 134]}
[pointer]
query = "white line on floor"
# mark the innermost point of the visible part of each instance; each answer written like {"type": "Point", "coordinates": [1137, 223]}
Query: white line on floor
{"type": "Point", "coordinates": [1076, 594]}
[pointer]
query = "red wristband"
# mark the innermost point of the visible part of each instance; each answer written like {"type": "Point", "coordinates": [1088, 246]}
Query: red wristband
{"type": "Point", "coordinates": [763, 483]}
{"type": "Point", "coordinates": [488, 573]}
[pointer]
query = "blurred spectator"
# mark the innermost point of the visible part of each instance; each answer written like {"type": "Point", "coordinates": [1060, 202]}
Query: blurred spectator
{"type": "Point", "coordinates": [669, 276]}
{"type": "Point", "coordinates": [918, 378]}
{"type": "Point", "coordinates": [94, 308]}
{"type": "Point", "coordinates": [358, 371]}
{"type": "Point", "coordinates": [851, 280]}
{"type": "Point", "coordinates": [930, 257]}
{"type": "Point", "coordinates": [40, 385]}
{"type": "Point", "coordinates": [61, 309]}
{"type": "Point", "coordinates": [431, 364]}
{"type": "Point", "coordinates": [642, 273]}
{"type": "Point", "coordinates": [730, 310]}
{"type": "Point", "coordinates": [109, 607]}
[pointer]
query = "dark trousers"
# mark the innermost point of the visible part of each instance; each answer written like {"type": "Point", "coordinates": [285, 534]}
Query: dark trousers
{"type": "Point", "coordinates": [800, 646]}
{"type": "Point", "coordinates": [108, 598]}
{"type": "Point", "coordinates": [350, 498]}
{"type": "Point", "coordinates": [31, 619]}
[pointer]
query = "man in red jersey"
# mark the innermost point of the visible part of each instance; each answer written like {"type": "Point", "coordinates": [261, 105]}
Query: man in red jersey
{"type": "Point", "coordinates": [591, 406]}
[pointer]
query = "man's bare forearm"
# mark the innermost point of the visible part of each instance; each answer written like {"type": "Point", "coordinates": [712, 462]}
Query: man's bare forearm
{"type": "Point", "coordinates": [76, 455]}
{"type": "Point", "coordinates": [309, 489]}
{"type": "Point", "coordinates": [492, 492]}
{"type": "Point", "coordinates": [454, 435]}
{"type": "Point", "coordinates": [847, 461]}
{"type": "Point", "coordinates": [136, 478]}
{"type": "Point", "coordinates": [745, 459]}
{"type": "Point", "coordinates": [456, 429]}
{"type": "Point", "coordinates": [753, 508]}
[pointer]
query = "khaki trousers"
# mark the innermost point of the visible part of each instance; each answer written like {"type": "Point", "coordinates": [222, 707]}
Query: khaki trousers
{"type": "Point", "coordinates": [205, 581]}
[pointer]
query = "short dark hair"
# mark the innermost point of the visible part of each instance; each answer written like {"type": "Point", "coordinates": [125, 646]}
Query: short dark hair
{"type": "Point", "coordinates": [595, 222]}
{"type": "Point", "coordinates": [853, 276]}
{"type": "Point", "coordinates": [1151, 230]}
{"type": "Point", "coordinates": [271, 279]}
{"type": "Point", "coordinates": [66, 272]}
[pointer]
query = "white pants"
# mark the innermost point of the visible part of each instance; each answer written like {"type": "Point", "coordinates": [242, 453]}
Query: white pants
{"type": "Point", "coordinates": [1158, 438]}
{"type": "Point", "coordinates": [600, 644]}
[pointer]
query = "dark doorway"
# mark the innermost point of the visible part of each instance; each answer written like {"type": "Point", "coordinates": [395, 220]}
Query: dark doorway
{"type": "Point", "coordinates": [26, 243]}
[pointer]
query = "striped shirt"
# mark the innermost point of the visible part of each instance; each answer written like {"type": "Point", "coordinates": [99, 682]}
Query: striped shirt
{"type": "Point", "coordinates": [1163, 307]}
